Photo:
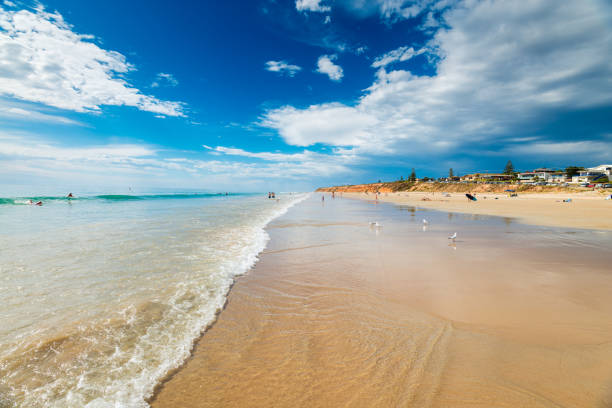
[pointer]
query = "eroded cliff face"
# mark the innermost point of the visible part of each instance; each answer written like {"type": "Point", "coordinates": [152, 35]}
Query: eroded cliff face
{"type": "Point", "coordinates": [447, 187]}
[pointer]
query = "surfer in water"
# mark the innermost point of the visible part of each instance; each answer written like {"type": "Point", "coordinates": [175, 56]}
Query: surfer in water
{"type": "Point", "coordinates": [69, 195]}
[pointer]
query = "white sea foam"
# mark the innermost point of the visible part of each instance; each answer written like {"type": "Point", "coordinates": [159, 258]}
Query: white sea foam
{"type": "Point", "coordinates": [103, 329]}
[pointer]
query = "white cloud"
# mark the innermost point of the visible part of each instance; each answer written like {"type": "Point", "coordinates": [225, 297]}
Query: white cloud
{"type": "Point", "coordinates": [164, 79]}
{"type": "Point", "coordinates": [398, 54]}
{"type": "Point", "coordinates": [108, 154]}
{"type": "Point", "coordinates": [21, 112]}
{"type": "Point", "coordinates": [596, 149]}
{"type": "Point", "coordinates": [500, 67]}
{"type": "Point", "coordinates": [317, 124]}
{"type": "Point", "coordinates": [295, 165]}
{"type": "Point", "coordinates": [9, 3]}
{"type": "Point", "coordinates": [311, 5]}
{"type": "Point", "coordinates": [282, 67]}
{"type": "Point", "coordinates": [325, 65]}
{"type": "Point", "coordinates": [42, 60]}
{"type": "Point", "coordinates": [430, 22]}
{"type": "Point", "coordinates": [393, 10]}
{"type": "Point", "coordinates": [25, 157]}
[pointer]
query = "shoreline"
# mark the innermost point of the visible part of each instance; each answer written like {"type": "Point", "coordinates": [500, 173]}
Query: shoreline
{"type": "Point", "coordinates": [587, 210]}
{"type": "Point", "coordinates": [170, 374]}
{"type": "Point", "coordinates": [323, 319]}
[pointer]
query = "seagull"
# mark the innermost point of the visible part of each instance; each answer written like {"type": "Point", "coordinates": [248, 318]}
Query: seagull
{"type": "Point", "coordinates": [453, 236]}
{"type": "Point", "coordinates": [375, 224]}
{"type": "Point", "coordinates": [425, 222]}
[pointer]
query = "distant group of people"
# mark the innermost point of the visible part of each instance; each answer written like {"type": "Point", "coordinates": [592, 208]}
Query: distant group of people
{"type": "Point", "coordinates": [333, 195]}
{"type": "Point", "coordinates": [271, 194]}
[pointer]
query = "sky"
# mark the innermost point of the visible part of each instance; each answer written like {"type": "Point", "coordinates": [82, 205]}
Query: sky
{"type": "Point", "coordinates": [290, 95]}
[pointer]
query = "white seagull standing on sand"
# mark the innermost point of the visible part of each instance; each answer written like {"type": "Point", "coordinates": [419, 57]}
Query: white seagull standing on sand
{"type": "Point", "coordinates": [375, 224]}
{"type": "Point", "coordinates": [453, 236]}
{"type": "Point", "coordinates": [425, 222]}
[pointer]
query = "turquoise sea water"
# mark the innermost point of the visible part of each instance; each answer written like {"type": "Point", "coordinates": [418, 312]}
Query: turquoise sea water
{"type": "Point", "coordinates": [103, 295]}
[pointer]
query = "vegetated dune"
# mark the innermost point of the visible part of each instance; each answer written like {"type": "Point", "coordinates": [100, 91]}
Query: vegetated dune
{"type": "Point", "coordinates": [449, 187]}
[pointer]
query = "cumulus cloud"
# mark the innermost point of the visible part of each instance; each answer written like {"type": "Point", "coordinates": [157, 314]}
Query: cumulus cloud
{"type": "Point", "coordinates": [325, 65]}
{"type": "Point", "coordinates": [164, 79]}
{"type": "Point", "coordinates": [311, 5]}
{"type": "Point", "coordinates": [282, 67]}
{"type": "Point", "coordinates": [397, 55]}
{"type": "Point", "coordinates": [499, 67]}
{"type": "Point", "coordinates": [42, 60]}
{"type": "Point", "coordinates": [304, 127]}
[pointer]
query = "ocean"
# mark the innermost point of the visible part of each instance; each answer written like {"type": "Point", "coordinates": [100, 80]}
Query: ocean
{"type": "Point", "coordinates": [103, 295]}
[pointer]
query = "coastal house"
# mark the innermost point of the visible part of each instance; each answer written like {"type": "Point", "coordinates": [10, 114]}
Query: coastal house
{"type": "Point", "coordinates": [588, 176]}
{"type": "Point", "coordinates": [602, 168]}
{"type": "Point", "coordinates": [558, 177]}
{"type": "Point", "coordinates": [542, 174]}
{"type": "Point", "coordinates": [527, 177]}
{"type": "Point", "coordinates": [449, 179]}
{"type": "Point", "coordinates": [486, 177]}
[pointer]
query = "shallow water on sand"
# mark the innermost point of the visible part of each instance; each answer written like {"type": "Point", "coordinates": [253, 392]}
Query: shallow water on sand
{"type": "Point", "coordinates": [341, 313]}
{"type": "Point", "coordinates": [102, 296]}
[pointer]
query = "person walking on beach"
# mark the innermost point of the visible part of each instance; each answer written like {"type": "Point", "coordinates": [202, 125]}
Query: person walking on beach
{"type": "Point", "coordinates": [322, 198]}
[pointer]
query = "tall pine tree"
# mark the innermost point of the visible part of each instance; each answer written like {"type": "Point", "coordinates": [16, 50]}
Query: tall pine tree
{"type": "Point", "coordinates": [413, 175]}
{"type": "Point", "coordinates": [509, 168]}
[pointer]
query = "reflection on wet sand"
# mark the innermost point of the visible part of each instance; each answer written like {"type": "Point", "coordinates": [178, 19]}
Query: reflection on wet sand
{"type": "Point", "coordinates": [345, 315]}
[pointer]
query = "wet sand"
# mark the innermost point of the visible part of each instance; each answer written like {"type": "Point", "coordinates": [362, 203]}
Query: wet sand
{"type": "Point", "coordinates": [586, 210]}
{"type": "Point", "coordinates": [337, 313]}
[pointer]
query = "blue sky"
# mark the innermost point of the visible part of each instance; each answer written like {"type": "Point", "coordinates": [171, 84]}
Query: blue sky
{"type": "Point", "coordinates": [293, 94]}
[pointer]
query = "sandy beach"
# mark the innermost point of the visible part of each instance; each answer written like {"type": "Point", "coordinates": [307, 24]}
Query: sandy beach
{"type": "Point", "coordinates": [340, 313]}
{"type": "Point", "coordinates": [586, 210]}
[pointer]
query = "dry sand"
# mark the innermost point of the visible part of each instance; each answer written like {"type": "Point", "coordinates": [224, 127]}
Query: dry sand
{"type": "Point", "coordinates": [340, 314]}
{"type": "Point", "coordinates": [586, 210]}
